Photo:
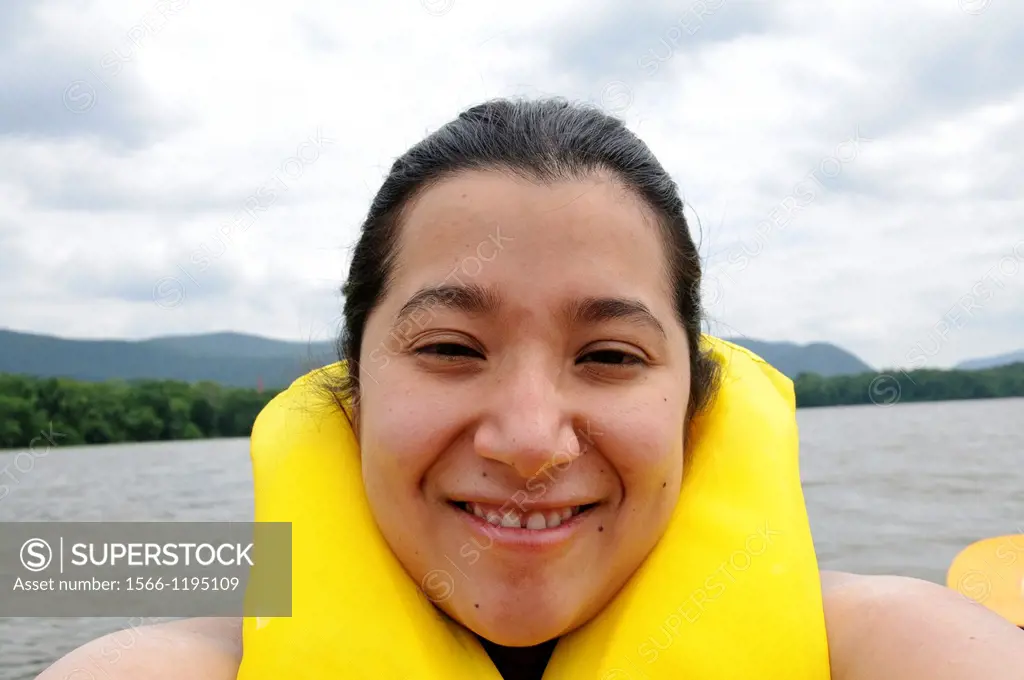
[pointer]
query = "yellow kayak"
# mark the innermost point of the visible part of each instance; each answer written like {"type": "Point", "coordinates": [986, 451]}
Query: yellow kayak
{"type": "Point", "coordinates": [991, 572]}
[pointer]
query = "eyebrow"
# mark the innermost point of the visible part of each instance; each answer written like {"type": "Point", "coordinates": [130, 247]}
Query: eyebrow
{"type": "Point", "coordinates": [471, 299]}
{"type": "Point", "coordinates": [475, 299]}
{"type": "Point", "coordinates": [599, 309]}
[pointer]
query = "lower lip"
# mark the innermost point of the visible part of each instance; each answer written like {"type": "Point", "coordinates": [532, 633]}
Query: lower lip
{"type": "Point", "coordinates": [526, 539]}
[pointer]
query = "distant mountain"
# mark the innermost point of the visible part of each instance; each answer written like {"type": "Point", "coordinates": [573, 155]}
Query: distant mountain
{"type": "Point", "coordinates": [818, 357]}
{"type": "Point", "coordinates": [992, 362]}
{"type": "Point", "coordinates": [240, 360]}
{"type": "Point", "coordinates": [231, 359]}
{"type": "Point", "coordinates": [235, 345]}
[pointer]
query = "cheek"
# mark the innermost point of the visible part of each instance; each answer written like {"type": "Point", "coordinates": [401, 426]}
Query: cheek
{"type": "Point", "coordinates": [402, 436]}
{"type": "Point", "coordinates": [646, 446]}
{"type": "Point", "coordinates": [395, 444]}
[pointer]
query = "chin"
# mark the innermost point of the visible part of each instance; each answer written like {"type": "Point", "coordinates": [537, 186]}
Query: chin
{"type": "Point", "coordinates": [521, 627]}
{"type": "Point", "coordinates": [518, 615]}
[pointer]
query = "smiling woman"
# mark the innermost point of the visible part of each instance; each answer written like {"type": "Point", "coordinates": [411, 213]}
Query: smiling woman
{"type": "Point", "coordinates": [560, 332]}
{"type": "Point", "coordinates": [533, 462]}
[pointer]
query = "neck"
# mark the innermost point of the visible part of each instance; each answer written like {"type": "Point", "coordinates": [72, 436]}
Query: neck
{"type": "Point", "coordinates": [520, 663]}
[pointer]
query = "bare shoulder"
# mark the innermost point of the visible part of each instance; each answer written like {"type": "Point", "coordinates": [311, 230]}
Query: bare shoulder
{"type": "Point", "coordinates": [188, 649]}
{"type": "Point", "coordinates": [882, 627]}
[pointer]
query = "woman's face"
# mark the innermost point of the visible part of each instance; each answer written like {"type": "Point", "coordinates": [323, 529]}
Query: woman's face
{"type": "Point", "coordinates": [524, 384]}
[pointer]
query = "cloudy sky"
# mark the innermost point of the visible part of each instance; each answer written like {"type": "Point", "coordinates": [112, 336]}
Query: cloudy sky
{"type": "Point", "coordinates": [853, 174]}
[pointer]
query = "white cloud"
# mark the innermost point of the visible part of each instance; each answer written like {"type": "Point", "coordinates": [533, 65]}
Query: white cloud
{"type": "Point", "coordinates": [179, 111]}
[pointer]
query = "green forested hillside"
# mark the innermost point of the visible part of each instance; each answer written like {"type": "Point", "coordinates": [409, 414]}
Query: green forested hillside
{"type": "Point", "coordinates": [118, 411]}
{"type": "Point", "coordinates": [893, 387]}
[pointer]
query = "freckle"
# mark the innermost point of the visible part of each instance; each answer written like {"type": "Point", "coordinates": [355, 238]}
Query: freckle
{"type": "Point", "coordinates": [665, 399]}
{"type": "Point", "coordinates": [600, 528]}
{"type": "Point", "coordinates": [477, 606]}
{"type": "Point", "coordinates": [485, 474]}
{"type": "Point", "coordinates": [664, 484]}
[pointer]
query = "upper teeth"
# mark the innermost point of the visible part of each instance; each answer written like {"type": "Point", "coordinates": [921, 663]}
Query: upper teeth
{"type": "Point", "coordinates": [535, 520]}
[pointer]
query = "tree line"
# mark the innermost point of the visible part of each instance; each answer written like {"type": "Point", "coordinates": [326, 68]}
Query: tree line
{"type": "Point", "coordinates": [76, 412]}
{"type": "Point", "coordinates": [895, 386]}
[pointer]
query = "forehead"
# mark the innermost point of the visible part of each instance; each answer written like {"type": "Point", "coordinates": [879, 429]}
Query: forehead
{"type": "Point", "coordinates": [496, 229]}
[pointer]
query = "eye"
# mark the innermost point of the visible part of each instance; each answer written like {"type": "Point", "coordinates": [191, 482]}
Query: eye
{"type": "Point", "coordinates": [612, 357]}
{"type": "Point", "coordinates": [448, 350]}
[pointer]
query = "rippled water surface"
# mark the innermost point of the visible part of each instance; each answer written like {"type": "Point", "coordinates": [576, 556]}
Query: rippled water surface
{"type": "Point", "coordinates": [889, 490]}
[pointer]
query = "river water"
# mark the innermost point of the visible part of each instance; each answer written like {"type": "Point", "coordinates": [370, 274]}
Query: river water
{"type": "Point", "coordinates": [897, 489]}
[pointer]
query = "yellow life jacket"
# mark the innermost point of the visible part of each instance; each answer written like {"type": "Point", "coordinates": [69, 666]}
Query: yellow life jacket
{"type": "Point", "coordinates": [731, 591]}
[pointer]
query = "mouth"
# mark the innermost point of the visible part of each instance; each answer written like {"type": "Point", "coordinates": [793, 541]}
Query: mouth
{"type": "Point", "coordinates": [530, 520]}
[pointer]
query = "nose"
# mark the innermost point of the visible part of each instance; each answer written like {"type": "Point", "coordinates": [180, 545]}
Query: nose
{"type": "Point", "coordinates": [527, 425]}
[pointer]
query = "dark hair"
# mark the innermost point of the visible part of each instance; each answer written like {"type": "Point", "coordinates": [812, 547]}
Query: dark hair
{"type": "Point", "coordinates": [543, 140]}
